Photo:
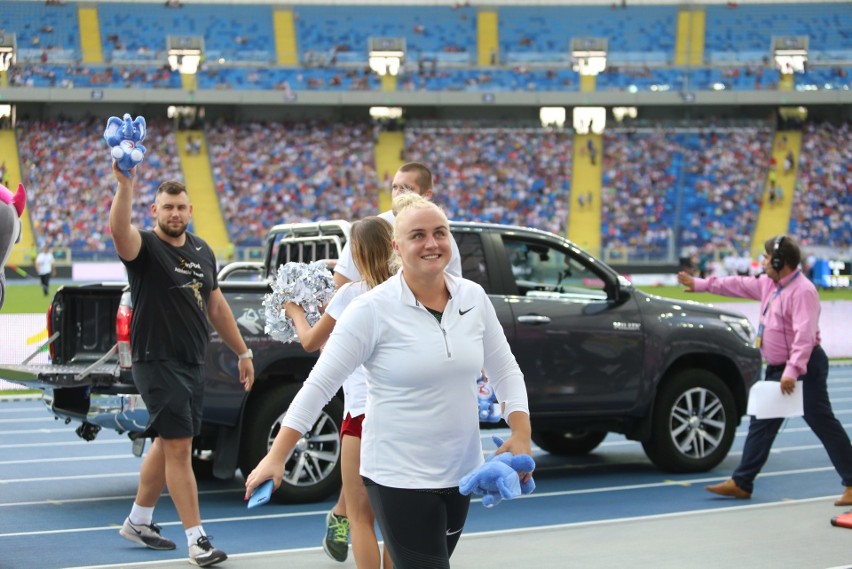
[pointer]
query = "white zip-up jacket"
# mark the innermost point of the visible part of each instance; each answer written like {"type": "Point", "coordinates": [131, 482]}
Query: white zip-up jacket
{"type": "Point", "coordinates": [422, 427]}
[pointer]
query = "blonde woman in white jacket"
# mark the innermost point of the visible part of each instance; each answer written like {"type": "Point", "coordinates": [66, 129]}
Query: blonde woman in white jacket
{"type": "Point", "coordinates": [423, 336]}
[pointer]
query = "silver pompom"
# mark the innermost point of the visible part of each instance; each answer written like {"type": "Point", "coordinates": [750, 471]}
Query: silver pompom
{"type": "Point", "coordinates": [308, 285]}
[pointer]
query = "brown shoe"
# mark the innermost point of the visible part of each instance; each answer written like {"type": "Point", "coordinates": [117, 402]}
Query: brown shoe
{"type": "Point", "coordinates": [846, 498]}
{"type": "Point", "coordinates": [730, 489]}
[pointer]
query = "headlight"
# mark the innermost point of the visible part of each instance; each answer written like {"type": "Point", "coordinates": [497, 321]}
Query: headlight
{"type": "Point", "coordinates": [740, 326]}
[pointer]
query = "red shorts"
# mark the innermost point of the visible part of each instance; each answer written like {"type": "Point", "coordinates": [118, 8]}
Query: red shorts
{"type": "Point", "coordinates": [352, 426]}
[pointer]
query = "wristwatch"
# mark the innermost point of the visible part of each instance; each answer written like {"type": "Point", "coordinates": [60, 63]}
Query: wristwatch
{"type": "Point", "coordinates": [247, 355]}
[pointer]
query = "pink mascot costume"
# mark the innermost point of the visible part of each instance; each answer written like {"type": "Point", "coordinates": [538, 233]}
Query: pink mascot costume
{"type": "Point", "coordinates": [11, 208]}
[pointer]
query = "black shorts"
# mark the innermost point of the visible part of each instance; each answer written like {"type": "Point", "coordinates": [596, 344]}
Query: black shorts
{"type": "Point", "coordinates": [173, 392]}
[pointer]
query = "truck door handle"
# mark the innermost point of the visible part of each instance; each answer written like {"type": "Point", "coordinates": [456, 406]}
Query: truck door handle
{"type": "Point", "coordinates": [534, 319]}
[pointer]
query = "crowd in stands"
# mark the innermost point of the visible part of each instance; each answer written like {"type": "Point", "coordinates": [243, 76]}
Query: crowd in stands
{"type": "Point", "coordinates": [512, 78]}
{"type": "Point", "coordinates": [664, 191]}
{"type": "Point", "coordinates": [270, 173]}
{"type": "Point", "coordinates": [106, 77]}
{"type": "Point", "coordinates": [640, 174]}
{"type": "Point", "coordinates": [822, 206]}
{"type": "Point", "coordinates": [707, 184]}
{"type": "Point", "coordinates": [725, 174]}
{"type": "Point", "coordinates": [288, 79]}
{"type": "Point", "coordinates": [511, 176]}
{"type": "Point", "coordinates": [67, 170]}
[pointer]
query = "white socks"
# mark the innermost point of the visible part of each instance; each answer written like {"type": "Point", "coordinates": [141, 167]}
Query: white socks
{"type": "Point", "coordinates": [140, 516]}
{"type": "Point", "coordinates": [193, 533]}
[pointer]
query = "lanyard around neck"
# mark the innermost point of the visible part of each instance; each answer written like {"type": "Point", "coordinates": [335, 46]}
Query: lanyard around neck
{"type": "Point", "coordinates": [778, 292]}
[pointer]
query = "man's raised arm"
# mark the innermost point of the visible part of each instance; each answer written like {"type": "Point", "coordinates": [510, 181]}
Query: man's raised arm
{"type": "Point", "coordinates": [126, 238]}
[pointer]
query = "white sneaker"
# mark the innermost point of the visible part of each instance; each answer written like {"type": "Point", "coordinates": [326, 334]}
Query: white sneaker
{"type": "Point", "coordinates": [203, 554]}
{"type": "Point", "coordinates": [147, 535]}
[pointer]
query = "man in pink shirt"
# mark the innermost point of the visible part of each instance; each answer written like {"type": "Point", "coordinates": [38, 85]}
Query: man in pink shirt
{"type": "Point", "coordinates": [788, 338]}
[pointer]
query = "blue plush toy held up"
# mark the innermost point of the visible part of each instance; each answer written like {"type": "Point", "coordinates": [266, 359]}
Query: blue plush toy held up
{"type": "Point", "coordinates": [497, 479]}
{"type": "Point", "coordinates": [123, 137]}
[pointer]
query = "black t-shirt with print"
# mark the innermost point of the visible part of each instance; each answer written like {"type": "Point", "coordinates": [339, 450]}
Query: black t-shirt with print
{"type": "Point", "coordinates": [170, 288]}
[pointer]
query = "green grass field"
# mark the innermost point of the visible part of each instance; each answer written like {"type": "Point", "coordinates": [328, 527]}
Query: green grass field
{"type": "Point", "coordinates": [677, 293]}
{"type": "Point", "coordinates": [27, 298]}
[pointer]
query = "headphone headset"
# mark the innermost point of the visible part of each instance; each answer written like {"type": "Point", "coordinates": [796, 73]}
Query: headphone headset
{"type": "Point", "coordinates": [777, 261]}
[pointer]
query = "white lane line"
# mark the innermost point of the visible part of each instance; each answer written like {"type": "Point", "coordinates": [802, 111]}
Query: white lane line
{"type": "Point", "coordinates": [60, 478]}
{"type": "Point", "coordinates": [536, 495]}
{"type": "Point", "coordinates": [803, 429]}
{"type": "Point", "coordinates": [664, 483]}
{"type": "Point", "coordinates": [650, 517]}
{"type": "Point", "coordinates": [68, 459]}
{"type": "Point", "coordinates": [625, 442]}
{"type": "Point", "coordinates": [171, 562]}
{"type": "Point", "coordinates": [61, 501]}
{"type": "Point", "coordinates": [24, 420]}
{"type": "Point", "coordinates": [37, 431]}
{"type": "Point", "coordinates": [69, 443]}
{"type": "Point", "coordinates": [114, 527]}
{"type": "Point", "coordinates": [503, 532]}
{"type": "Point", "coordinates": [642, 460]}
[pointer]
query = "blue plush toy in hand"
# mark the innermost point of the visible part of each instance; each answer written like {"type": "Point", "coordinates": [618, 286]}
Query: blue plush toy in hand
{"type": "Point", "coordinates": [123, 137]}
{"type": "Point", "coordinates": [497, 479]}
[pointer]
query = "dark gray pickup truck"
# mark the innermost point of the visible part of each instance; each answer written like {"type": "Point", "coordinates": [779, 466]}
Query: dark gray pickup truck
{"type": "Point", "coordinates": [598, 356]}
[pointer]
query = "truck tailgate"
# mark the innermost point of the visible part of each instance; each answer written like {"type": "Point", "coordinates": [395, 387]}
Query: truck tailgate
{"type": "Point", "coordinates": [82, 344]}
{"type": "Point", "coordinates": [54, 375]}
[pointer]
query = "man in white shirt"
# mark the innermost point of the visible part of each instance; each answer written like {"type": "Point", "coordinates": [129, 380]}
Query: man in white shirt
{"type": "Point", "coordinates": [45, 268]}
{"type": "Point", "coordinates": [411, 177]}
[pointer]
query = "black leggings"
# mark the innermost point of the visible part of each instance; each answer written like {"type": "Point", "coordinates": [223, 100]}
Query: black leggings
{"type": "Point", "coordinates": [420, 527]}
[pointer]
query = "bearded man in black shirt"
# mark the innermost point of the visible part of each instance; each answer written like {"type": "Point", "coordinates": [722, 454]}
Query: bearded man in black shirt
{"type": "Point", "coordinates": [175, 295]}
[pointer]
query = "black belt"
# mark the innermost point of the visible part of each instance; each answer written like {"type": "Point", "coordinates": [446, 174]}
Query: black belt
{"type": "Point", "coordinates": [780, 367]}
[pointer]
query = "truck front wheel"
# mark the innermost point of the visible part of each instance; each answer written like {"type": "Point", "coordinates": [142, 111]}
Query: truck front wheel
{"type": "Point", "coordinates": [312, 472]}
{"type": "Point", "coordinates": [694, 423]}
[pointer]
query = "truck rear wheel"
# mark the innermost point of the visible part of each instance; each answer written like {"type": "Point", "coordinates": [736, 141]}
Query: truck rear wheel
{"type": "Point", "coordinates": [312, 472]}
{"type": "Point", "coordinates": [694, 423]}
{"type": "Point", "coordinates": [569, 443]}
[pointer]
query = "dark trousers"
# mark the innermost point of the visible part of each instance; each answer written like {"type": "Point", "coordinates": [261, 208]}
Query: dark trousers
{"type": "Point", "coordinates": [819, 417]}
{"type": "Point", "coordinates": [421, 528]}
{"type": "Point", "coordinates": [45, 283]}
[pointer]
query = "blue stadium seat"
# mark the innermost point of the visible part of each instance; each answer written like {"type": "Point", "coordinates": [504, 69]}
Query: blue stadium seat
{"type": "Point", "coordinates": [343, 32]}
{"type": "Point", "coordinates": [232, 32]}
{"type": "Point", "coordinates": [39, 28]}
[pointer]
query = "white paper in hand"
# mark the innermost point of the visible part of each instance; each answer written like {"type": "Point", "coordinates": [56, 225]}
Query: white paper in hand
{"type": "Point", "coordinates": [766, 401]}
